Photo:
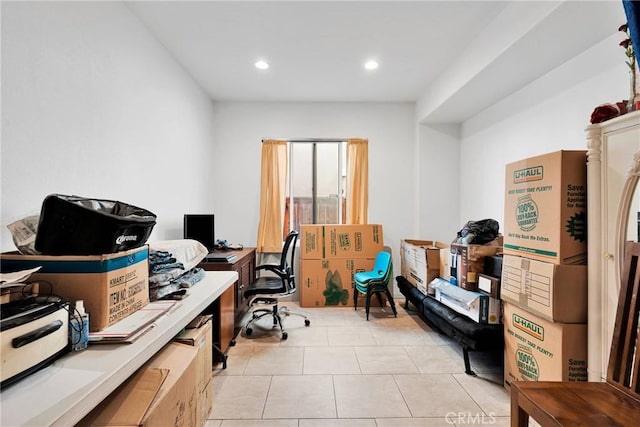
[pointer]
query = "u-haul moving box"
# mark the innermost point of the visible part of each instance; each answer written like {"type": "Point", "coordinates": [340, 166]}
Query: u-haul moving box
{"type": "Point", "coordinates": [545, 215]}
{"type": "Point", "coordinates": [420, 261]}
{"type": "Point", "coordinates": [538, 350]}
{"type": "Point", "coordinates": [557, 293]}
{"type": "Point", "coordinates": [112, 286]}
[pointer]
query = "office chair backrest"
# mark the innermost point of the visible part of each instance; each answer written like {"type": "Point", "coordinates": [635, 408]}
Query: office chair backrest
{"type": "Point", "coordinates": [287, 259]}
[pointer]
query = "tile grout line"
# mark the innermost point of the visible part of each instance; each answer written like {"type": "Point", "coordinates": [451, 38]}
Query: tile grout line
{"type": "Point", "coordinates": [266, 397]}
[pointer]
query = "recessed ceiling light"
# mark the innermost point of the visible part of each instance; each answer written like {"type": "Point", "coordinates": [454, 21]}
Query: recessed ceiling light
{"type": "Point", "coordinates": [371, 65]}
{"type": "Point", "coordinates": [261, 65]}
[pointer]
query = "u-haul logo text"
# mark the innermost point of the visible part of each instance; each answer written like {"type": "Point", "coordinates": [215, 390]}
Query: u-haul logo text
{"type": "Point", "coordinates": [527, 326]}
{"type": "Point", "coordinates": [535, 173]}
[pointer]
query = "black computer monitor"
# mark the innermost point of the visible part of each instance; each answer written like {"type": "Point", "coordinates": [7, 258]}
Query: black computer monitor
{"type": "Point", "coordinates": [200, 227]}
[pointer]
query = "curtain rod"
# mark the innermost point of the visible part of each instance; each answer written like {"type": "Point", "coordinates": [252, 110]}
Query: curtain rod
{"type": "Point", "coordinates": [309, 139]}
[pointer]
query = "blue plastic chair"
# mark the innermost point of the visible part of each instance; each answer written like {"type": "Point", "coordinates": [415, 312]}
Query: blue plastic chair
{"type": "Point", "coordinates": [375, 282]}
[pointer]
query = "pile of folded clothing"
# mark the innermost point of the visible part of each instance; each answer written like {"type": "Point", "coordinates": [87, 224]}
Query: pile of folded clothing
{"type": "Point", "coordinates": [173, 267]}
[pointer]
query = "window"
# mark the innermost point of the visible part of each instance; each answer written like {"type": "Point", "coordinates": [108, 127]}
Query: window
{"type": "Point", "coordinates": [324, 181]}
{"type": "Point", "coordinates": [316, 186]}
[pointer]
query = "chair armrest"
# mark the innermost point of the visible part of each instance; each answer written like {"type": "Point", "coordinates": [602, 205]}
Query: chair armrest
{"type": "Point", "coordinates": [274, 268]}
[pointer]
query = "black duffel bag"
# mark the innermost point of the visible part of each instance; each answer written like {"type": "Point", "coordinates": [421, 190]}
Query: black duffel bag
{"type": "Point", "coordinates": [72, 225]}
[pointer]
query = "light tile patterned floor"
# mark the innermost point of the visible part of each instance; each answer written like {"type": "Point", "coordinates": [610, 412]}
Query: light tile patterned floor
{"type": "Point", "coordinates": [344, 371]}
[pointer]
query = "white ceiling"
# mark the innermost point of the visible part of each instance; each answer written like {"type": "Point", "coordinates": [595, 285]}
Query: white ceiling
{"type": "Point", "coordinates": [316, 49]}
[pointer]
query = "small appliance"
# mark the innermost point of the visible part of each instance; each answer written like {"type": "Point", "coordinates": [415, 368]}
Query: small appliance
{"type": "Point", "coordinates": [33, 333]}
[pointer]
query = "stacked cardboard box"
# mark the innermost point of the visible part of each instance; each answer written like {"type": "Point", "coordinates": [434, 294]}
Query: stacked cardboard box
{"type": "Point", "coordinates": [112, 286]}
{"type": "Point", "coordinates": [329, 256]}
{"type": "Point", "coordinates": [467, 262]}
{"type": "Point", "coordinates": [468, 265]}
{"type": "Point", "coordinates": [544, 279]}
{"type": "Point", "coordinates": [430, 266]}
{"type": "Point", "coordinates": [421, 261]}
{"type": "Point", "coordinates": [199, 334]}
{"type": "Point", "coordinates": [162, 392]}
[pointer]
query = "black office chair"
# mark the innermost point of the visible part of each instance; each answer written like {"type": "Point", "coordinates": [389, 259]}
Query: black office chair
{"type": "Point", "coordinates": [267, 290]}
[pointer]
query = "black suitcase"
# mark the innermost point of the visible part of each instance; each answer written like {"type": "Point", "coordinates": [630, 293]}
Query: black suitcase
{"type": "Point", "coordinates": [72, 225]}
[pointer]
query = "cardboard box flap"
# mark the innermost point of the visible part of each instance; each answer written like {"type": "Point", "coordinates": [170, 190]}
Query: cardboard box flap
{"type": "Point", "coordinates": [199, 321]}
{"type": "Point", "coordinates": [193, 336]}
{"type": "Point", "coordinates": [134, 399]}
{"type": "Point", "coordinates": [162, 389]}
{"type": "Point", "coordinates": [452, 291]}
{"type": "Point", "coordinates": [427, 244]}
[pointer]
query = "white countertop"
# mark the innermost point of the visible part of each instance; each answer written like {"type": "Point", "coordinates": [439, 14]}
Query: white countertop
{"type": "Point", "coordinates": [64, 392]}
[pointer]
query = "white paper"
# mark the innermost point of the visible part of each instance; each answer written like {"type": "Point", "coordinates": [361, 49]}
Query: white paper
{"type": "Point", "coordinates": [17, 278]}
{"type": "Point", "coordinates": [133, 323]}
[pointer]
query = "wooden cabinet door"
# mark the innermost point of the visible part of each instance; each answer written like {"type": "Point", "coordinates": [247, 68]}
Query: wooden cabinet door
{"type": "Point", "coordinates": [227, 318]}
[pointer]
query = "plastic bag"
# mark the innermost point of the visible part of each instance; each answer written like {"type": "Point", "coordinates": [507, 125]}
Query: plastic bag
{"type": "Point", "coordinates": [478, 232]}
{"type": "Point", "coordinates": [73, 225]}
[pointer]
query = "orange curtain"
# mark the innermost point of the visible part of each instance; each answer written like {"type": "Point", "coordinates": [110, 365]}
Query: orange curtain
{"type": "Point", "coordinates": [357, 180]}
{"type": "Point", "coordinates": [272, 195]}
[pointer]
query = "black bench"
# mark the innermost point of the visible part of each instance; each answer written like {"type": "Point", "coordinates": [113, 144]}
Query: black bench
{"type": "Point", "coordinates": [469, 334]}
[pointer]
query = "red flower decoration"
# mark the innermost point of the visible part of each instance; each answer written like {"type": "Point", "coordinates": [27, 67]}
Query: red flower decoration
{"type": "Point", "coordinates": [627, 45]}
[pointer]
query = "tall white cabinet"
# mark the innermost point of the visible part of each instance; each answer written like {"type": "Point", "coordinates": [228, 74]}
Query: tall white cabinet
{"type": "Point", "coordinates": [612, 162]}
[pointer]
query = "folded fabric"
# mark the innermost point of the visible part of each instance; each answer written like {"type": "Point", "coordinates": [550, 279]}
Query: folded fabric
{"type": "Point", "coordinates": [190, 278]}
{"type": "Point", "coordinates": [161, 268]}
{"type": "Point", "coordinates": [184, 280]}
{"type": "Point", "coordinates": [163, 291]}
{"type": "Point", "coordinates": [165, 277]}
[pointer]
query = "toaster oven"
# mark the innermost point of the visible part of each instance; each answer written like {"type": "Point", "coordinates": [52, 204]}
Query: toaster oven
{"type": "Point", "coordinates": [33, 333]}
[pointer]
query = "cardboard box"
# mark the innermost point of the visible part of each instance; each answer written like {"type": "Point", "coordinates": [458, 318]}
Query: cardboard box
{"type": "Point", "coordinates": [557, 293]}
{"type": "Point", "coordinates": [420, 261]}
{"type": "Point", "coordinates": [340, 241]}
{"type": "Point", "coordinates": [476, 306]}
{"type": "Point", "coordinates": [445, 268]}
{"type": "Point", "coordinates": [205, 403]}
{"type": "Point", "coordinates": [546, 208]}
{"type": "Point", "coordinates": [467, 261]}
{"type": "Point", "coordinates": [199, 334]}
{"type": "Point", "coordinates": [160, 393]}
{"type": "Point", "coordinates": [329, 282]}
{"type": "Point", "coordinates": [538, 350]}
{"type": "Point", "coordinates": [112, 286]}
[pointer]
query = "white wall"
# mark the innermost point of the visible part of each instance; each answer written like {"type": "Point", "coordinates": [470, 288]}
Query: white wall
{"type": "Point", "coordinates": [96, 107]}
{"type": "Point", "coordinates": [525, 125]}
{"type": "Point", "coordinates": [239, 128]}
{"type": "Point", "coordinates": [93, 105]}
{"type": "Point", "coordinates": [438, 181]}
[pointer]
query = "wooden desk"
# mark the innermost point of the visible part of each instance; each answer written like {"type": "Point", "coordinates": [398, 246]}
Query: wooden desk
{"type": "Point", "coordinates": [64, 392]}
{"type": "Point", "coordinates": [245, 266]}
